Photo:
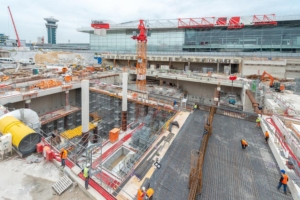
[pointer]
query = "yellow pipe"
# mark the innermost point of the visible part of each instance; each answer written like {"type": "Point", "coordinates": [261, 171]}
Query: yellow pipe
{"type": "Point", "coordinates": [18, 129]}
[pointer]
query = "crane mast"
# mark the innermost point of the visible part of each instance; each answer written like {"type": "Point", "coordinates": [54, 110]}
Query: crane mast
{"type": "Point", "coordinates": [12, 19]}
{"type": "Point", "coordinates": [141, 66]}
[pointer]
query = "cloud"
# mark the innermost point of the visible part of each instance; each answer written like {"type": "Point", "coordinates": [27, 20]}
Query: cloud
{"type": "Point", "coordinates": [72, 14]}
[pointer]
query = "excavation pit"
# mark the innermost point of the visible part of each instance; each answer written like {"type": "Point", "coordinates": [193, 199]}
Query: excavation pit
{"type": "Point", "coordinates": [120, 162]}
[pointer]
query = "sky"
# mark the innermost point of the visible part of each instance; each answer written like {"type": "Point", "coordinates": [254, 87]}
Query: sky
{"type": "Point", "coordinates": [29, 14]}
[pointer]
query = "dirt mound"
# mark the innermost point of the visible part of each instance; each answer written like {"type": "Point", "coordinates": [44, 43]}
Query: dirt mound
{"type": "Point", "coordinates": [54, 57]}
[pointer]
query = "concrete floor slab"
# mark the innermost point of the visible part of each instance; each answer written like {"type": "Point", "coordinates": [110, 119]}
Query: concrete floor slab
{"type": "Point", "coordinates": [230, 172]}
{"type": "Point", "coordinates": [21, 180]}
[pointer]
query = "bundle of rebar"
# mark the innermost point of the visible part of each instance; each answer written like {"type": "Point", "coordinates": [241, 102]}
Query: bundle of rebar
{"type": "Point", "coordinates": [195, 177]}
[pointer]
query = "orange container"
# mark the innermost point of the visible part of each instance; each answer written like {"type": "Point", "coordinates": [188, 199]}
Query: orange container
{"type": "Point", "coordinates": [68, 79]}
{"type": "Point", "coordinates": [64, 70]}
{"type": "Point", "coordinates": [114, 135]}
{"type": "Point", "coordinates": [134, 95]}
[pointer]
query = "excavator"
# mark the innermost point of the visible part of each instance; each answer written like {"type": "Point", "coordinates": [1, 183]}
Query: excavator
{"type": "Point", "coordinates": [274, 82]}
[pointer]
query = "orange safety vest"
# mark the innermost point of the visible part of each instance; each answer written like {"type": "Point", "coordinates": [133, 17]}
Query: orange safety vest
{"type": "Point", "coordinates": [285, 179]}
{"type": "Point", "coordinates": [140, 195]}
{"type": "Point", "coordinates": [267, 134]}
{"type": "Point", "coordinates": [150, 192]}
{"type": "Point", "coordinates": [244, 143]}
{"type": "Point", "coordinates": [63, 154]}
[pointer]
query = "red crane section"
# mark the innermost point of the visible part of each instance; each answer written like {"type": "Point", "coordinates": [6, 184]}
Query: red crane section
{"type": "Point", "coordinates": [206, 22]}
{"type": "Point", "coordinates": [234, 23]}
{"type": "Point", "coordinates": [141, 65]}
{"type": "Point", "coordinates": [264, 20]}
{"type": "Point", "coordinates": [221, 21]}
{"type": "Point", "coordinates": [12, 19]}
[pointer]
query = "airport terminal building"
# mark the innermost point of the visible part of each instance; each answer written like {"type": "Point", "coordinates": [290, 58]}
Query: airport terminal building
{"type": "Point", "coordinates": [257, 33]}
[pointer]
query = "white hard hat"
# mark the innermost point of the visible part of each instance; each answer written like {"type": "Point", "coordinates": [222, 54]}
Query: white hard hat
{"type": "Point", "coordinates": [143, 188]}
{"type": "Point", "coordinates": [88, 165]}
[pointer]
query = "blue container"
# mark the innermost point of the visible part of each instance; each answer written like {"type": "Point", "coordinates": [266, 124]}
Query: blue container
{"type": "Point", "coordinates": [35, 71]}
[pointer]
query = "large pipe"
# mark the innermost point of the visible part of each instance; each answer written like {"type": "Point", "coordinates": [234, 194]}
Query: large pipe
{"type": "Point", "coordinates": [22, 124]}
{"type": "Point", "coordinates": [85, 110]}
{"type": "Point", "coordinates": [27, 116]}
{"type": "Point", "coordinates": [124, 101]}
{"type": "Point", "coordinates": [253, 101]}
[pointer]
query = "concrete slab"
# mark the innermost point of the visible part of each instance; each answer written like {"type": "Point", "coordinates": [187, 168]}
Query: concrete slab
{"type": "Point", "coordinates": [26, 181]}
{"type": "Point", "coordinates": [230, 172]}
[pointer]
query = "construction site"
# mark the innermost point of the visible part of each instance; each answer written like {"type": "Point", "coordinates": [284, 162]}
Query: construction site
{"type": "Point", "coordinates": [150, 126]}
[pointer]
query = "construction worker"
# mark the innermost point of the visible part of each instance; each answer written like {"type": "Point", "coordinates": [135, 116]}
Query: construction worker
{"type": "Point", "coordinates": [87, 175]}
{"type": "Point", "coordinates": [283, 181]}
{"type": "Point", "coordinates": [244, 144]}
{"type": "Point", "coordinates": [63, 157]}
{"type": "Point", "coordinates": [195, 107]}
{"type": "Point", "coordinates": [141, 193]}
{"type": "Point", "coordinates": [257, 122]}
{"type": "Point", "coordinates": [149, 193]}
{"type": "Point", "coordinates": [267, 136]}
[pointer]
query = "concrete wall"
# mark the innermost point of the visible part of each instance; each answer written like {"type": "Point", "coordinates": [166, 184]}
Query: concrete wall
{"type": "Point", "coordinates": [199, 89]}
{"type": "Point", "coordinates": [276, 68]}
{"type": "Point", "coordinates": [275, 71]}
{"type": "Point", "coordinates": [247, 105]}
{"type": "Point", "coordinates": [45, 104]}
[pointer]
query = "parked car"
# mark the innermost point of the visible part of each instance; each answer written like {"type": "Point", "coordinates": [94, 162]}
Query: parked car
{"type": "Point", "coordinates": [25, 62]}
{"type": "Point", "coordinates": [7, 61]}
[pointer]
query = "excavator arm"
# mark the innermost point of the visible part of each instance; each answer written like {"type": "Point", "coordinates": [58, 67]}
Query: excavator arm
{"type": "Point", "coordinates": [265, 76]}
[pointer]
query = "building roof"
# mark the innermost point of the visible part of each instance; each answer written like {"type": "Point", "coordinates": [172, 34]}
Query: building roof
{"type": "Point", "coordinates": [201, 22]}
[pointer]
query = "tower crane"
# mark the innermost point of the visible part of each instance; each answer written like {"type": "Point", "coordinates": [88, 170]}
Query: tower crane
{"type": "Point", "coordinates": [141, 66]}
{"type": "Point", "coordinates": [12, 19]}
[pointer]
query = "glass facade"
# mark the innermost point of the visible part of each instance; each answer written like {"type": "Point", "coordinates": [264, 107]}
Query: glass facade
{"type": "Point", "coordinates": [285, 37]}
{"type": "Point", "coordinates": [120, 40]}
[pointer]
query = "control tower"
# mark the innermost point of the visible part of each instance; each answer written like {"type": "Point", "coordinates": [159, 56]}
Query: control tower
{"type": "Point", "coordinates": [51, 29]}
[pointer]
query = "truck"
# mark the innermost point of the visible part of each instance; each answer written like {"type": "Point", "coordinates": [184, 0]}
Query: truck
{"type": "Point", "coordinates": [28, 61]}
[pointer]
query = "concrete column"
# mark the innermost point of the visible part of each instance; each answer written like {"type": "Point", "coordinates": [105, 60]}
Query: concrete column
{"type": "Point", "coordinates": [67, 106]}
{"type": "Point", "coordinates": [95, 135]}
{"type": "Point", "coordinates": [218, 67]}
{"type": "Point", "coordinates": [27, 103]}
{"type": "Point", "coordinates": [114, 62]}
{"type": "Point", "coordinates": [170, 63]}
{"type": "Point", "coordinates": [124, 101]}
{"type": "Point", "coordinates": [240, 67]}
{"type": "Point", "coordinates": [177, 83]}
{"type": "Point", "coordinates": [128, 63]}
{"type": "Point", "coordinates": [230, 68]}
{"type": "Point", "coordinates": [160, 82]}
{"type": "Point", "coordinates": [85, 99]}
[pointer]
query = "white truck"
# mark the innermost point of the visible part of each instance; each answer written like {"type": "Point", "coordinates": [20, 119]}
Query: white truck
{"type": "Point", "coordinates": [25, 62]}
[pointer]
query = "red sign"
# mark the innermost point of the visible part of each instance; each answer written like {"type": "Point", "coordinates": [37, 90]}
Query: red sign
{"type": "Point", "coordinates": [232, 78]}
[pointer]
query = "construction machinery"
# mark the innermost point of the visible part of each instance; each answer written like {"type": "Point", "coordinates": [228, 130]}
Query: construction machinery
{"type": "Point", "coordinates": [274, 82]}
{"type": "Point", "coordinates": [12, 19]}
{"type": "Point", "coordinates": [141, 65]}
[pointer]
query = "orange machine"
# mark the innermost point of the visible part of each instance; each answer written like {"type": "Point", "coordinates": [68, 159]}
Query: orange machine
{"type": "Point", "coordinates": [266, 76]}
{"type": "Point", "coordinates": [274, 82]}
{"type": "Point", "coordinates": [114, 135]}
